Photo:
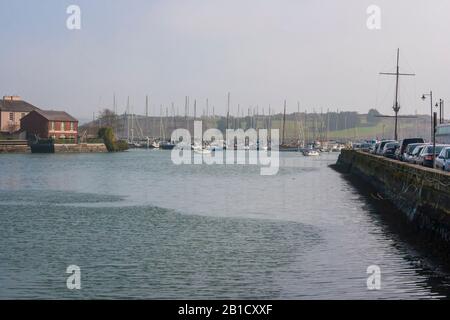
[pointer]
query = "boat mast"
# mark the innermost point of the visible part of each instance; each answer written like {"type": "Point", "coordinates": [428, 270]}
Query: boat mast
{"type": "Point", "coordinates": [228, 109]}
{"type": "Point", "coordinates": [298, 122]}
{"type": "Point", "coordinates": [128, 118]}
{"type": "Point", "coordinates": [284, 123]}
{"type": "Point", "coordinates": [161, 130]}
{"type": "Point", "coordinates": [166, 126]}
{"type": "Point", "coordinates": [397, 75]}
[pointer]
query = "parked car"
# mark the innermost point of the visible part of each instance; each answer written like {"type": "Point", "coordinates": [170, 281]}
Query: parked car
{"type": "Point", "coordinates": [390, 148]}
{"type": "Point", "coordinates": [414, 158]}
{"type": "Point", "coordinates": [397, 154]}
{"type": "Point", "coordinates": [374, 147]}
{"type": "Point", "coordinates": [379, 151]}
{"type": "Point", "coordinates": [405, 143]}
{"type": "Point", "coordinates": [409, 151]}
{"type": "Point", "coordinates": [364, 147]}
{"type": "Point", "coordinates": [426, 155]}
{"type": "Point", "coordinates": [443, 159]}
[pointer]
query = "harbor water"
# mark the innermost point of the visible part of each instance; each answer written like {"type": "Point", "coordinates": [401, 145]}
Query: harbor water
{"type": "Point", "coordinates": [139, 226]}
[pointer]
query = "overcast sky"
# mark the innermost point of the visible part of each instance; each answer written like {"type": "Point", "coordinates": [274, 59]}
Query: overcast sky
{"type": "Point", "coordinates": [320, 53]}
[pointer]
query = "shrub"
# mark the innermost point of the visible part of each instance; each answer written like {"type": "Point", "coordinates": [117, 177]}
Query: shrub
{"type": "Point", "coordinates": [110, 141]}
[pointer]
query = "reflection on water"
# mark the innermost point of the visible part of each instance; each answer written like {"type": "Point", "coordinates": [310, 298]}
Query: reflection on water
{"type": "Point", "coordinates": [140, 227]}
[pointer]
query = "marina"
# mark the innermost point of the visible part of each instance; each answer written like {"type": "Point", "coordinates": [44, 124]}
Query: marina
{"type": "Point", "coordinates": [224, 156]}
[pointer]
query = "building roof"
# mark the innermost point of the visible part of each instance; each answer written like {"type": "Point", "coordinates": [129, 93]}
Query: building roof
{"type": "Point", "coordinates": [56, 115]}
{"type": "Point", "coordinates": [16, 106]}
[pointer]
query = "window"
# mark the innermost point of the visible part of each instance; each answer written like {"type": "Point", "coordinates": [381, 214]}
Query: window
{"type": "Point", "coordinates": [62, 126]}
{"type": "Point", "coordinates": [71, 126]}
{"type": "Point", "coordinates": [443, 130]}
{"type": "Point", "coordinates": [52, 125]}
{"type": "Point", "coordinates": [11, 116]}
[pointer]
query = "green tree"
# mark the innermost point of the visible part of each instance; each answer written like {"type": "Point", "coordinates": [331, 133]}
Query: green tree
{"type": "Point", "coordinates": [107, 134]}
{"type": "Point", "coordinates": [372, 117]}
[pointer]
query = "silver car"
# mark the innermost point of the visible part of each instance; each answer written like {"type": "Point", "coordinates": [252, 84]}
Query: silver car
{"type": "Point", "coordinates": [443, 159]}
{"type": "Point", "coordinates": [414, 158]}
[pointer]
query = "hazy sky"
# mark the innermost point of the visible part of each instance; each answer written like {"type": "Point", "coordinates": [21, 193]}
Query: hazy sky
{"type": "Point", "coordinates": [320, 53]}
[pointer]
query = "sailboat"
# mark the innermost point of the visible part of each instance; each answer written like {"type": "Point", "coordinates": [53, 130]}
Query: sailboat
{"type": "Point", "coordinates": [154, 145]}
{"type": "Point", "coordinates": [202, 150]}
{"type": "Point", "coordinates": [283, 146]}
{"type": "Point", "coordinates": [164, 145]}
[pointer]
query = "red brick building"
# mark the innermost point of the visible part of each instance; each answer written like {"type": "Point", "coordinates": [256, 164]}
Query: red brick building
{"type": "Point", "coordinates": [58, 125]}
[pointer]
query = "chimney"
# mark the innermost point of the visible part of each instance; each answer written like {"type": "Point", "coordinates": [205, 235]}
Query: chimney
{"type": "Point", "coordinates": [11, 98]}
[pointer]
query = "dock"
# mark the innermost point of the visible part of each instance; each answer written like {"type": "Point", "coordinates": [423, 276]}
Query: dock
{"type": "Point", "coordinates": [14, 146]}
{"type": "Point", "coordinates": [22, 147]}
{"type": "Point", "coordinates": [421, 194]}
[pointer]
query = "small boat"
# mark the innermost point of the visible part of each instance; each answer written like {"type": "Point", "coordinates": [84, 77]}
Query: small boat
{"type": "Point", "coordinates": [166, 145]}
{"type": "Point", "coordinates": [216, 148]}
{"type": "Point", "coordinates": [42, 146]}
{"type": "Point", "coordinates": [154, 145]}
{"type": "Point", "coordinates": [288, 148]}
{"type": "Point", "coordinates": [202, 151]}
{"type": "Point", "coordinates": [310, 153]}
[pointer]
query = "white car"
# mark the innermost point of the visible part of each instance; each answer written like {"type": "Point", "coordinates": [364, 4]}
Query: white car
{"type": "Point", "coordinates": [443, 159]}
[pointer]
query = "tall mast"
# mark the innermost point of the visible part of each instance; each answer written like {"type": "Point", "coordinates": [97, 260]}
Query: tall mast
{"type": "Point", "coordinates": [284, 122]}
{"type": "Point", "coordinates": [114, 103]}
{"type": "Point", "coordinates": [238, 119]}
{"type": "Point", "coordinates": [228, 108]}
{"type": "Point", "coordinates": [128, 118]}
{"type": "Point", "coordinates": [297, 121]}
{"type": "Point", "coordinates": [396, 106]}
{"type": "Point", "coordinates": [195, 109]}
{"type": "Point", "coordinates": [166, 126]}
{"type": "Point", "coordinates": [270, 118]}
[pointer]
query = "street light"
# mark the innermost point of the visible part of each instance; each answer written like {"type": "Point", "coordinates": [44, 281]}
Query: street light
{"type": "Point", "coordinates": [441, 111]}
{"type": "Point", "coordinates": [434, 139]}
{"type": "Point", "coordinates": [431, 109]}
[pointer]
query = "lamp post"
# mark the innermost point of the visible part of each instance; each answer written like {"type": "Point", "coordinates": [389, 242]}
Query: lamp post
{"type": "Point", "coordinates": [431, 109]}
{"type": "Point", "coordinates": [434, 139]}
{"type": "Point", "coordinates": [441, 111]}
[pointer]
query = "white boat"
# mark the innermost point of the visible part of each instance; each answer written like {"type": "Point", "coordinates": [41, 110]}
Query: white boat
{"type": "Point", "coordinates": [155, 145]}
{"type": "Point", "coordinates": [310, 153]}
{"type": "Point", "coordinates": [202, 151]}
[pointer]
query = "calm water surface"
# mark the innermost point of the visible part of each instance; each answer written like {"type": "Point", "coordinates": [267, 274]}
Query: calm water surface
{"type": "Point", "coordinates": [140, 227]}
